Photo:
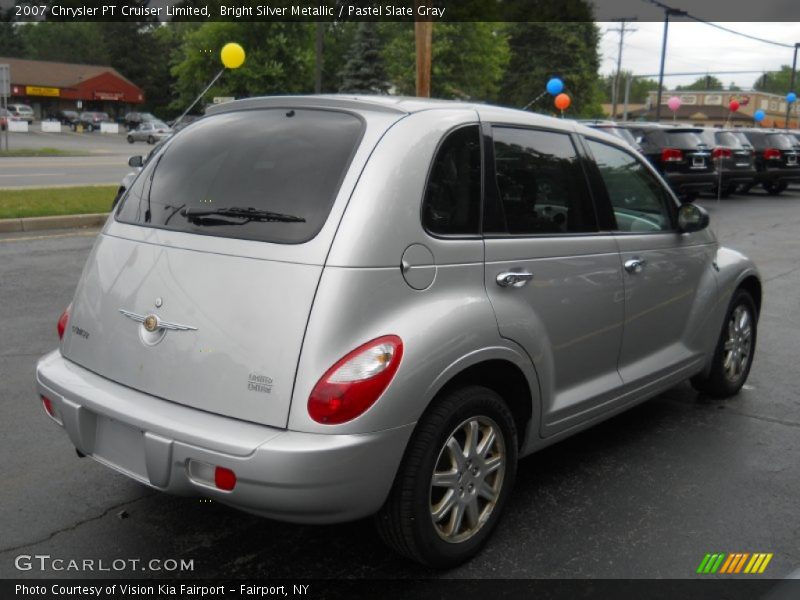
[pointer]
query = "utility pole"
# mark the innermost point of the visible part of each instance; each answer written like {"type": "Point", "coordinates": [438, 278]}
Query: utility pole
{"type": "Point", "coordinates": [791, 85]}
{"type": "Point", "coordinates": [622, 31]}
{"type": "Point", "coordinates": [667, 13]}
{"type": "Point", "coordinates": [318, 58]}
{"type": "Point", "coordinates": [423, 33]}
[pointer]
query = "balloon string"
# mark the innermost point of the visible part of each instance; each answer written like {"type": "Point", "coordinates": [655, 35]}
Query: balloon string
{"type": "Point", "coordinates": [535, 100]}
{"type": "Point", "coordinates": [196, 100]}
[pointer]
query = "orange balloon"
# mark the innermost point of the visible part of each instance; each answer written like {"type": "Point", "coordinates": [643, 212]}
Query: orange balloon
{"type": "Point", "coordinates": [562, 102]}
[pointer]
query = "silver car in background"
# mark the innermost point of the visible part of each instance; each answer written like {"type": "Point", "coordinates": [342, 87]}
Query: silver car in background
{"type": "Point", "coordinates": [150, 132]}
{"type": "Point", "coordinates": [321, 308]}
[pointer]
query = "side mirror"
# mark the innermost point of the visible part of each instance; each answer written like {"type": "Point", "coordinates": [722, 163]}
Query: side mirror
{"type": "Point", "coordinates": [692, 218]}
{"type": "Point", "coordinates": [135, 161]}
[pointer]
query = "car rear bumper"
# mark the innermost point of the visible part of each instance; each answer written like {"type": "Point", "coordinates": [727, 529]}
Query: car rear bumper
{"type": "Point", "coordinates": [778, 175]}
{"type": "Point", "coordinates": [738, 176]}
{"type": "Point", "coordinates": [285, 475]}
{"type": "Point", "coordinates": [692, 182]}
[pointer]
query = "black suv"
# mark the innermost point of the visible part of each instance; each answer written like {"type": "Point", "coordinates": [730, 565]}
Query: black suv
{"type": "Point", "coordinates": [679, 154]}
{"type": "Point", "coordinates": [733, 157]}
{"type": "Point", "coordinates": [132, 120]}
{"type": "Point", "coordinates": [776, 154]}
{"type": "Point", "coordinates": [614, 129]}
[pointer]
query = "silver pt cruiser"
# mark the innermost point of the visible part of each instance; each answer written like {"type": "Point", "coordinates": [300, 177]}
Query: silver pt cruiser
{"type": "Point", "coordinates": [321, 308]}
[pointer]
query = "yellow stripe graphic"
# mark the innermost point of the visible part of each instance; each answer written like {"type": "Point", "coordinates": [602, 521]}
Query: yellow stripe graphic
{"type": "Point", "coordinates": [765, 563]}
{"type": "Point", "coordinates": [756, 557]}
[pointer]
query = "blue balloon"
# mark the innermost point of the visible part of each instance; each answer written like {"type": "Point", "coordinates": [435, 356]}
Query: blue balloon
{"type": "Point", "coordinates": [791, 97]}
{"type": "Point", "coordinates": [555, 86]}
{"type": "Point", "coordinates": [759, 116]}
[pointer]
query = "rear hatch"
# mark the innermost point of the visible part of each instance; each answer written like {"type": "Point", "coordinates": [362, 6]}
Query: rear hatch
{"type": "Point", "coordinates": [783, 150]}
{"type": "Point", "coordinates": [200, 290]}
{"type": "Point", "coordinates": [686, 152]}
{"type": "Point", "coordinates": [740, 157]}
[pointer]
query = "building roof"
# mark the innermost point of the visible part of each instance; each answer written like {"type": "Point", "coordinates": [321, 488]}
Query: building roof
{"type": "Point", "coordinates": [55, 74]}
{"type": "Point", "coordinates": [692, 112]}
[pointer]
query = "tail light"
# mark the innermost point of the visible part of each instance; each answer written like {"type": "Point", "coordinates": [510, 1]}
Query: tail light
{"type": "Point", "coordinates": [772, 154]}
{"type": "Point", "coordinates": [50, 409]}
{"type": "Point", "coordinates": [204, 473]}
{"type": "Point", "coordinates": [669, 155]}
{"type": "Point", "coordinates": [63, 320]}
{"type": "Point", "coordinates": [719, 153]}
{"type": "Point", "coordinates": [354, 383]}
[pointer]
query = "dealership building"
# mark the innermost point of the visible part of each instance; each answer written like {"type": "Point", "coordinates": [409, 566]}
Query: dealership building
{"type": "Point", "coordinates": [52, 86]}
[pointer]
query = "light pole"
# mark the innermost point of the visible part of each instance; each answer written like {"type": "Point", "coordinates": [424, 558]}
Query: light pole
{"type": "Point", "coordinates": [667, 12]}
{"type": "Point", "coordinates": [791, 85]}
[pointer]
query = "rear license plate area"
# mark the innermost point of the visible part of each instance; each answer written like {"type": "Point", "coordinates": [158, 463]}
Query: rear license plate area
{"type": "Point", "coordinates": [120, 446]}
{"type": "Point", "coordinates": [698, 162]}
{"type": "Point", "coordinates": [791, 160]}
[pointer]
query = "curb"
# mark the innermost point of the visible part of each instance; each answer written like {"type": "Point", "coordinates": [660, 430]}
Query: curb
{"type": "Point", "coordinates": [58, 222]}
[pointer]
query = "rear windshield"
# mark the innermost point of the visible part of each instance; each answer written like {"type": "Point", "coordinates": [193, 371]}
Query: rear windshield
{"type": "Point", "coordinates": [739, 135]}
{"type": "Point", "coordinates": [728, 139]}
{"type": "Point", "coordinates": [620, 133]}
{"type": "Point", "coordinates": [684, 139]}
{"type": "Point", "coordinates": [270, 175]}
{"type": "Point", "coordinates": [781, 140]}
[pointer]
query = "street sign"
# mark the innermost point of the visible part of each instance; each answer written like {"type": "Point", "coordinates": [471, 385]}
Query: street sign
{"type": "Point", "coordinates": [223, 99]}
{"type": "Point", "coordinates": [5, 80]}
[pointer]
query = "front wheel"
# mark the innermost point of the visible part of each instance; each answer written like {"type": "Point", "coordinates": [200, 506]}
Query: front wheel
{"type": "Point", "coordinates": [454, 481]}
{"type": "Point", "coordinates": [130, 139]}
{"type": "Point", "coordinates": [733, 356]}
{"type": "Point", "coordinates": [773, 189]}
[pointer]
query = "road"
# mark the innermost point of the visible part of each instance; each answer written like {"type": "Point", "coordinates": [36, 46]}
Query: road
{"type": "Point", "coordinates": [106, 163]}
{"type": "Point", "coordinates": [644, 495]}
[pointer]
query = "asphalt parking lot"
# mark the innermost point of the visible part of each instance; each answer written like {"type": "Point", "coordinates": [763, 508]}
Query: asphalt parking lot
{"type": "Point", "coordinates": [106, 160]}
{"type": "Point", "coordinates": [644, 495]}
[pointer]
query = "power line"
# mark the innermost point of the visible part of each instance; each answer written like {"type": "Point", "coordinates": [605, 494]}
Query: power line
{"type": "Point", "coordinates": [622, 31]}
{"type": "Point", "coordinates": [715, 25]}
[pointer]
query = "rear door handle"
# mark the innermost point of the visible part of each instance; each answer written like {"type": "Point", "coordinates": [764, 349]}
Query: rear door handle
{"type": "Point", "coordinates": [635, 265]}
{"type": "Point", "coordinates": [513, 278]}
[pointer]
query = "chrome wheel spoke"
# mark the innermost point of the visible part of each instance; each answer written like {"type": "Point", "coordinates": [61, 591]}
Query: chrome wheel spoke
{"type": "Point", "coordinates": [440, 511]}
{"type": "Point", "coordinates": [486, 443]}
{"type": "Point", "coordinates": [473, 513]}
{"type": "Point", "coordinates": [456, 518]}
{"type": "Point", "coordinates": [471, 443]}
{"type": "Point", "coordinates": [456, 453]}
{"type": "Point", "coordinates": [492, 464]}
{"type": "Point", "coordinates": [446, 479]}
{"type": "Point", "coordinates": [486, 491]}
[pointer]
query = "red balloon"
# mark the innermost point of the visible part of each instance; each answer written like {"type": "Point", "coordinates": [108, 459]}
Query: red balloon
{"type": "Point", "coordinates": [562, 102]}
{"type": "Point", "coordinates": [734, 105]}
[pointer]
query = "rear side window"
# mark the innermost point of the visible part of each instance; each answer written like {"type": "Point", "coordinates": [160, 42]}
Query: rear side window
{"type": "Point", "coordinates": [639, 201]}
{"type": "Point", "coordinates": [452, 202]}
{"type": "Point", "coordinates": [541, 184]}
{"type": "Point", "coordinates": [270, 175]}
{"type": "Point", "coordinates": [781, 140]}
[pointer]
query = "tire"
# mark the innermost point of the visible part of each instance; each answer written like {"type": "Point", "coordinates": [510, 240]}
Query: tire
{"type": "Point", "coordinates": [745, 189]}
{"type": "Point", "coordinates": [729, 189]}
{"type": "Point", "coordinates": [130, 139]}
{"type": "Point", "coordinates": [773, 189]}
{"type": "Point", "coordinates": [151, 140]}
{"type": "Point", "coordinates": [722, 382]}
{"type": "Point", "coordinates": [406, 521]}
{"type": "Point", "coordinates": [90, 128]}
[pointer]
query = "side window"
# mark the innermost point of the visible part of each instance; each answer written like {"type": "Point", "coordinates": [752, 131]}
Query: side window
{"type": "Point", "coordinates": [452, 203]}
{"type": "Point", "coordinates": [541, 185]}
{"type": "Point", "coordinates": [639, 201]}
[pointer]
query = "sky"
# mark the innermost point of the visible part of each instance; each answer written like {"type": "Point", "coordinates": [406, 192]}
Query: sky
{"type": "Point", "coordinates": [694, 47]}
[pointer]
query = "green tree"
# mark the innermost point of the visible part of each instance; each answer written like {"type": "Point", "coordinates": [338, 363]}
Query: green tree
{"type": "Point", "coordinates": [540, 51]}
{"type": "Point", "coordinates": [777, 82]}
{"type": "Point", "coordinates": [337, 39]}
{"type": "Point", "coordinates": [467, 59]}
{"type": "Point", "coordinates": [707, 82]}
{"type": "Point", "coordinates": [363, 70]}
{"type": "Point", "coordinates": [640, 88]}
{"type": "Point", "coordinates": [280, 60]}
{"type": "Point", "coordinates": [11, 43]}
{"type": "Point", "coordinates": [71, 42]}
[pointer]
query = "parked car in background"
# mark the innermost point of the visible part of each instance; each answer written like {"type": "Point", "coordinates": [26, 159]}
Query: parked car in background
{"type": "Point", "coordinates": [22, 112]}
{"type": "Point", "coordinates": [735, 163]}
{"type": "Point", "coordinates": [679, 154]}
{"type": "Point", "coordinates": [132, 120]}
{"type": "Point", "coordinates": [150, 132]}
{"type": "Point", "coordinates": [776, 159]}
{"type": "Point", "coordinates": [91, 120]}
{"type": "Point", "coordinates": [612, 128]}
{"type": "Point", "coordinates": [317, 309]}
{"type": "Point", "coordinates": [66, 117]}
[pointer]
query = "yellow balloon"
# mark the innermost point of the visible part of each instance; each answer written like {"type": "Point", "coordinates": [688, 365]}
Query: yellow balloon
{"type": "Point", "coordinates": [232, 55]}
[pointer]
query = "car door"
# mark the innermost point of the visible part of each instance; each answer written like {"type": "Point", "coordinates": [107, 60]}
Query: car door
{"type": "Point", "coordinates": [554, 281]}
{"type": "Point", "coordinates": [668, 276]}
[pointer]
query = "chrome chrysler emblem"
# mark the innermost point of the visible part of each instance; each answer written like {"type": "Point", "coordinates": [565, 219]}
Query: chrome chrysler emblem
{"type": "Point", "coordinates": [154, 322]}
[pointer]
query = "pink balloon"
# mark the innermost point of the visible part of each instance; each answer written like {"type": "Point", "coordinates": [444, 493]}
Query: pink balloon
{"type": "Point", "coordinates": [674, 103]}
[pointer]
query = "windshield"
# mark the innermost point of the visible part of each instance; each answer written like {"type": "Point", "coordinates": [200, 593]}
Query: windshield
{"type": "Point", "coordinates": [159, 124]}
{"type": "Point", "coordinates": [283, 161]}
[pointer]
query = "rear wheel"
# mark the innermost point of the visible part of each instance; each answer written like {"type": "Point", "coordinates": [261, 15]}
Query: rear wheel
{"type": "Point", "coordinates": [130, 139]}
{"type": "Point", "coordinates": [151, 140]}
{"type": "Point", "coordinates": [454, 481]}
{"type": "Point", "coordinates": [773, 188]}
{"type": "Point", "coordinates": [733, 356]}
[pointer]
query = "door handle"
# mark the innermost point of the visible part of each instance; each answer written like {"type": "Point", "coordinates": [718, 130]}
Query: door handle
{"type": "Point", "coordinates": [513, 278]}
{"type": "Point", "coordinates": [635, 265]}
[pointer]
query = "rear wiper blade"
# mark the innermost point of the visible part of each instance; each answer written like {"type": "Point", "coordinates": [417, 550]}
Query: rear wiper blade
{"type": "Point", "coordinates": [250, 213]}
